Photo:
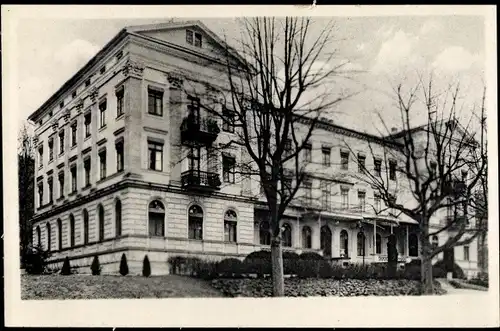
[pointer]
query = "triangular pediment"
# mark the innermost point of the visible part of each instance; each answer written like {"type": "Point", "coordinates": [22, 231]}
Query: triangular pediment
{"type": "Point", "coordinates": [191, 35]}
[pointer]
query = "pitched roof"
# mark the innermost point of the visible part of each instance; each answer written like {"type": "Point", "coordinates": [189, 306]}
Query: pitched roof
{"type": "Point", "coordinates": [135, 30]}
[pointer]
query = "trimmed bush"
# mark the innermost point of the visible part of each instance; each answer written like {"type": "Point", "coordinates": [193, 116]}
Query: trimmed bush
{"type": "Point", "coordinates": [66, 268]}
{"type": "Point", "coordinates": [230, 267]}
{"type": "Point", "coordinates": [146, 267]}
{"type": "Point", "coordinates": [264, 255]}
{"type": "Point", "coordinates": [95, 267]}
{"type": "Point", "coordinates": [311, 256]}
{"type": "Point", "coordinates": [177, 264]}
{"type": "Point", "coordinates": [457, 271]}
{"type": "Point", "coordinates": [123, 265]}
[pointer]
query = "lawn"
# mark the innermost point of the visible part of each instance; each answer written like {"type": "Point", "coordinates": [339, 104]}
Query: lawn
{"type": "Point", "coordinates": [113, 287]}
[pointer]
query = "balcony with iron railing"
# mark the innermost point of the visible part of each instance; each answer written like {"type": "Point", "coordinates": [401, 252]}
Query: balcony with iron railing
{"type": "Point", "coordinates": [199, 129]}
{"type": "Point", "coordinates": [200, 180]}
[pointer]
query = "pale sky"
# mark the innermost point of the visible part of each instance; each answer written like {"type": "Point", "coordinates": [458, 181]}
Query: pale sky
{"type": "Point", "coordinates": [385, 48]}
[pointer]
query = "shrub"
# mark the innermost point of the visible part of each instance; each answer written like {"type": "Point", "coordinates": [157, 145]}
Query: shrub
{"type": "Point", "coordinates": [95, 267]}
{"type": "Point", "coordinates": [230, 267]}
{"type": "Point", "coordinates": [457, 271]}
{"type": "Point", "coordinates": [308, 268]}
{"type": "Point", "coordinates": [34, 260]}
{"type": "Point", "coordinates": [261, 255]}
{"type": "Point", "coordinates": [66, 268]}
{"type": "Point", "coordinates": [123, 265]}
{"type": "Point", "coordinates": [311, 256]}
{"type": "Point", "coordinates": [206, 270]}
{"type": "Point", "coordinates": [146, 267]}
{"type": "Point", "coordinates": [177, 264]}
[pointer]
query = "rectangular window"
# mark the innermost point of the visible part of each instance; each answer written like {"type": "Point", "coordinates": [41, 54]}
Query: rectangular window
{"type": "Point", "coordinates": [307, 153]}
{"type": "Point", "coordinates": [40, 194]}
{"type": "Point", "coordinates": [61, 142]}
{"type": "Point", "coordinates": [156, 222]}
{"type": "Point", "coordinates": [155, 102]}
{"type": "Point", "coordinates": [155, 156]}
{"type": "Point", "coordinates": [102, 113]}
{"type": "Point", "coordinates": [344, 197]}
{"type": "Point", "coordinates": [377, 165]}
{"type": "Point", "coordinates": [325, 195]}
{"type": "Point", "coordinates": [466, 253]}
{"type": "Point", "coordinates": [189, 37]}
{"type": "Point", "coordinates": [230, 231]}
{"type": "Point", "coordinates": [307, 190]}
{"type": "Point", "coordinates": [61, 184]}
{"type": "Point", "coordinates": [102, 164]}
{"type": "Point", "coordinates": [103, 70]}
{"type": "Point", "coordinates": [87, 83]}
{"type": "Point", "coordinates": [51, 149]}
{"type": "Point", "coordinates": [344, 160]}
{"type": "Point", "coordinates": [88, 120]}
{"type": "Point", "coordinates": [361, 163]}
{"type": "Point", "coordinates": [228, 169]}
{"type": "Point", "coordinates": [194, 159]}
{"type": "Point", "coordinates": [51, 189]}
{"type": "Point", "coordinates": [73, 135]}
{"type": "Point", "coordinates": [119, 103]}
{"type": "Point", "coordinates": [119, 156]}
{"type": "Point", "coordinates": [73, 95]}
{"type": "Point", "coordinates": [288, 147]}
{"type": "Point", "coordinates": [195, 228]}
{"type": "Point", "coordinates": [73, 178]}
{"type": "Point", "coordinates": [326, 156]}
{"type": "Point", "coordinates": [86, 166]}
{"type": "Point", "coordinates": [61, 104]}
{"type": "Point", "coordinates": [197, 39]}
{"type": "Point", "coordinates": [377, 204]}
{"type": "Point", "coordinates": [433, 167]}
{"type": "Point", "coordinates": [228, 120]}
{"type": "Point", "coordinates": [40, 157]}
{"type": "Point", "coordinates": [392, 170]}
{"type": "Point", "coordinates": [362, 200]}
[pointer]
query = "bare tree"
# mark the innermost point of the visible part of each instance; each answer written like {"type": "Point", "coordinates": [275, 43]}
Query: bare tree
{"type": "Point", "coordinates": [281, 80]}
{"type": "Point", "coordinates": [439, 166]}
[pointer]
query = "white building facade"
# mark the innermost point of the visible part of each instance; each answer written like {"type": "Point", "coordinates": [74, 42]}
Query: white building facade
{"type": "Point", "coordinates": [116, 173]}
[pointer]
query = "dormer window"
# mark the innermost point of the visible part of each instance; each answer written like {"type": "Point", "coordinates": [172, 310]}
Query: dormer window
{"type": "Point", "coordinates": [61, 105]}
{"type": "Point", "coordinates": [193, 38]}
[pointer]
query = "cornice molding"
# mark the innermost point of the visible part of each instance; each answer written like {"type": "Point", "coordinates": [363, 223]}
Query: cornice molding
{"type": "Point", "coordinates": [133, 69]}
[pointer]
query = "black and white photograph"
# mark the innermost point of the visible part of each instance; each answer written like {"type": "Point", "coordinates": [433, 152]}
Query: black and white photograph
{"type": "Point", "coordinates": [205, 156]}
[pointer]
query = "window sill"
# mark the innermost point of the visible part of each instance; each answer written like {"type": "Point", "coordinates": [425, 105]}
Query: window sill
{"type": "Point", "coordinates": [102, 128]}
{"type": "Point", "coordinates": [101, 180]}
{"type": "Point", "coordinates": [73, 147]}
{"type": "Point", "coordinates": [87, 138]}
{"type": "Point", "coordinates": [86, 187]}
{"type": "Point", "coordinates": [119, 117]}
{"type": "Point", "coordinates": [60, 154]}
{"type": "Point", "coordinates": [154, 170]}
{"type": "Point", "coordinates": [61, 198]}
{"type": "Point", "coordinates": [50, 161]}
{"type": "Point", "coordinates": [72, 193]}
{"type": "Point", "coordinates": [154, 115]}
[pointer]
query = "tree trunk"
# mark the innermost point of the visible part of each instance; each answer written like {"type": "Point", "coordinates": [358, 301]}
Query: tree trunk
{"type": "Point", "coordinates": [277, 267]}
{"type": "Point", "coordinates": [426, 277]}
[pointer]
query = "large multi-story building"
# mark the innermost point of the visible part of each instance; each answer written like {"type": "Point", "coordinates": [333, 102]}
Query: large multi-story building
{"type": "Point", "coordinates": [116, 172]}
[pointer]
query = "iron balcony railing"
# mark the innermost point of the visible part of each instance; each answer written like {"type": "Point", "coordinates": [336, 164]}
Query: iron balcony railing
{"type": "Point", "coordinates": [200, 179]}
{"type": "Point", "coordinates": [201, 129]}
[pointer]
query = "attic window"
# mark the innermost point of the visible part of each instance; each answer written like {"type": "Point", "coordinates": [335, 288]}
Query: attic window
{"type": "Point", "coordinates": [73, 95]}
{"type": "Point", "coordinates": [193, 38]}
{"type": "Point", "coordinates": [103, 70]}
{"type": "Point", "coordinates": [87, 83]}
{"type": "Point", "coordinates": [61, 105]}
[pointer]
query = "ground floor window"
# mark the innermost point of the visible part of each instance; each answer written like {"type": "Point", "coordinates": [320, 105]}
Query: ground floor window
{"type": "Point", "coordinates": [156, 219]}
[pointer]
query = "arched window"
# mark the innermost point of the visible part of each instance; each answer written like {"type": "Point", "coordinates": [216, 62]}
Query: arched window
{"type": "Point", "coordinates": [100, 211]}
{"type": "Point", "coordinates": [38, 237]}
{"type": "Point", "coordinates": [85, 227]}
{"type": "Point", "coordinates": [344, 244]}
{"type": "Point", "coordinates": [378, 244]}
{"type": "Point", "coordinates": [286, 235]}
{"type": "Point", "coordinates": [361, 243]}
{"type": "Point", "coordinates": [435, 241]}
{"type": "Point", "coordinates": [156, 216]}
{"type": "Point", "coordinates": [326, 240]}
{"type": "Point", "coordinates": [413, 245]}
{"type": "Point", "coordinates": [306, 237]}
{"type": "Point", "coordinates": [71, 230]}
{"type": "Point", "coordinates": [264, 233]}
{"type": "Point", "coordinates": [59, 234]}
{"type": "Point", "coordinates": [49, 237]}
{"type": "Point", "coordinates": [195, 222]}
{"type": "Point", "coordinates": [118, 218]}
{"type": "Point", "coordinates": [230, 219]}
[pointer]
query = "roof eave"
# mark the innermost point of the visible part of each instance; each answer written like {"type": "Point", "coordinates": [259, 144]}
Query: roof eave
{"type": "Point", "coordinates": [71, 81]}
